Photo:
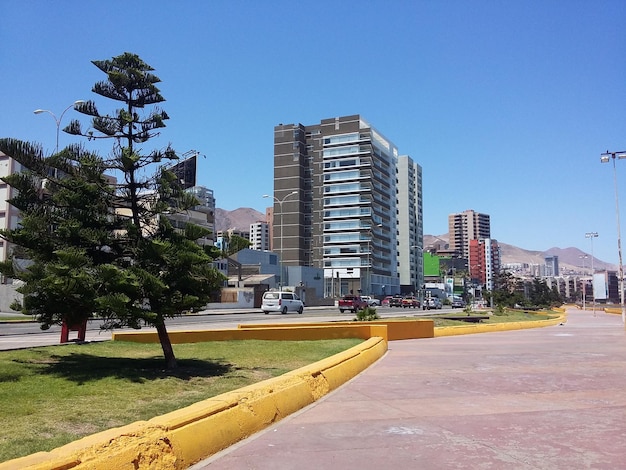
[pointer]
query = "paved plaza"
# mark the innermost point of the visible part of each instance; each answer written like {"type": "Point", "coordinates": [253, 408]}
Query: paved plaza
{"type": "Point", "coordinates": [545, 398]}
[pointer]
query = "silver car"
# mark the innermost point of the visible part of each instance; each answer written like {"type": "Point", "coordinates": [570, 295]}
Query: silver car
{"type": "Point", "coordinates": [283, 302]}
{"type": "Point", "coordinates": [371, 301]}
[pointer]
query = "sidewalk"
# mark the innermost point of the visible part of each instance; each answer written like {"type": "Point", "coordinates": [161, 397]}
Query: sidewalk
{"type": "Point", "coordinates": [546, 398]}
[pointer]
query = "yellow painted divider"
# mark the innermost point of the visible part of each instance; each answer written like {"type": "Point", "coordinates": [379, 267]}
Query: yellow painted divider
{"type": "Point", "coordinates": [489, 327]}
{"type": "Point", "coordinates": [178, 439]}
{"type": "Point", "coordinates": [612, 310]}
{"type": "Point", "coordinates": [293, 332]}
{"type": "Point", "coordinates": [396, 329]}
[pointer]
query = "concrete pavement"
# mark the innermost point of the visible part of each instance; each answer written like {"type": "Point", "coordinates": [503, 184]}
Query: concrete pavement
{"type": "Point", "coordinates": [546, 398]}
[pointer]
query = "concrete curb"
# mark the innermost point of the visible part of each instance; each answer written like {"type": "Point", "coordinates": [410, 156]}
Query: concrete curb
{"type": "Point", "coordinates": [396, 329]}
{"type": "Point", "coordinates": [181, 438]}
{"type": "Point", "coordinates": [561, 317]}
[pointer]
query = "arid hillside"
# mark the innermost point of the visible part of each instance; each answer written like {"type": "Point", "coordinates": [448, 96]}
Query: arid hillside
{"type": "Point", "coordinates": [569, 258]}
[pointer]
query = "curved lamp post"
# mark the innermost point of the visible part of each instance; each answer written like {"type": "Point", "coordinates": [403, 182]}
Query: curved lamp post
{"type": "Point", "coordinates": [58, 120]}
{"type": "Point", "coordinates": [280, 203]}
{"type": "Point", "coordinates": [605, 158]}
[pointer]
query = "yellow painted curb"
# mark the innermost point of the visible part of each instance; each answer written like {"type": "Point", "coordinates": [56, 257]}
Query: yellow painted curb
{"type": "Point", "coordinates": [363, 330]}
{"type": "Point", "coordinates": [181, 438]}
{"type": "Point", "coordinates": [612, 310]}
{"type": "Point", "coordinates": [490, 327]}
{"type": "Point", "coordinates": [397, 329]}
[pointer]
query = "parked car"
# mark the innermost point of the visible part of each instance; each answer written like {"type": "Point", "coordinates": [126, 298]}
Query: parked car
{"type": "Point", "coordinates": [386, 301]}
{"type": "Point", "coordinates": [283, 302]}
{"type": "Point", "coordinates": [458, 303]}
{"type": "Point", "coordinates": [432, 303]}
{"type": "Point", "coordinates": [352, 303]}
{"type": "Point", "coordinates": [410, 302]}
{"type": "Point", "coordinates": [396, 301]}
{"type": "Point", "coordinates": [371, 301]}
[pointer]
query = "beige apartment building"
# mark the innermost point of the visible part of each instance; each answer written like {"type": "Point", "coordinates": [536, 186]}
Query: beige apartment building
{"type": "Point", "coordinates": [466, 226]}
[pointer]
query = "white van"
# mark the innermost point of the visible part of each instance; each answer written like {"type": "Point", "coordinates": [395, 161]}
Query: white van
{"type": "Point", "coordinates": [283, 302]}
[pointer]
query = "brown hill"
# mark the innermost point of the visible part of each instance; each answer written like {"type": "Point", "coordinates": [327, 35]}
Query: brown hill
{"type": "Point", "coordinates": [569, 258]}
{"type": "Point", "coordinates": [239, 219]}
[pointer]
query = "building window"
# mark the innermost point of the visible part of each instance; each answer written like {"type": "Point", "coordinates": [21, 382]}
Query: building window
{"type": "Point", "coordinates": [341, 139]}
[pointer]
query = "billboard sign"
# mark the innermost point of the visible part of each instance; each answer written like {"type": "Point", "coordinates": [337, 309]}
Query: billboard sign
{"type": "Point", "coordinates": [185, 171]}
{"type": "Point", "coordinates": [600, 291]}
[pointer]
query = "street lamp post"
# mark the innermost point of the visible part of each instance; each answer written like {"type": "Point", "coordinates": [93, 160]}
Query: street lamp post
{"type": "Point", "coordinates": [420, 291]}
{"type": "Point", "coordinates": [280, 203]}
{"type": "Point", "coordinates": [58, 120]}
{"type": "Point", "coordinates": [591, 236]}
{"type": "Point", "coordinates": [584, 283]}
{"type": "Point", "coordinates": [605, 158]}
{"type": "Point", "coordinates": [368, 283]}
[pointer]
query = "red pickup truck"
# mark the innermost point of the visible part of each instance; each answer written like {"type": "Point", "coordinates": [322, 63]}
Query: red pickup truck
{"type": "Point", "coordinates": [352, 303]}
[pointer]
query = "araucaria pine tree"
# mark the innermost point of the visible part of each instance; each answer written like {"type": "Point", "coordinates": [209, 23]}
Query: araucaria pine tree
{"type": "Point", "coordinates": [130, 266]}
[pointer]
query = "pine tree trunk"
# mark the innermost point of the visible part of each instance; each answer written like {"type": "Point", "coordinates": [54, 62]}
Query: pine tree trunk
{"type": "Point", "coordinates": [166, 345]}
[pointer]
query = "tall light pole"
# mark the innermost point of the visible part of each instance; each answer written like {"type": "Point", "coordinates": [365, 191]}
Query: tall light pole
{"type": "Point", "coordinates": [605, 158]}
{"type": "Point", "coordinates": [584, 283]}
{"type": "Point", "coordinates": [368, 283]}
{"type": "Point", "coordinates": [591, 236]}
{"type": "Point", "coordinates": [420, 291]}
{"type": "Point", "coordinates": [58, 120]}
{"type": "Point", "coordinates": [280, 204]}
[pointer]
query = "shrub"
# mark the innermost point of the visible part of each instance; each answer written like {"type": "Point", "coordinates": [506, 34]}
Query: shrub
{"type": "Point", "coordinates": [367, 314]}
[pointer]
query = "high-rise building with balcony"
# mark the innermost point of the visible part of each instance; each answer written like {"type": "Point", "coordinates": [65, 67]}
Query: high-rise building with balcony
{"type": "Point", "coordinates": [466, 226]}
{"type": "Point", "coordinates": [484, 261]}
{"type": "Point", "coordinates": [552, 266]}
{"type": "Point", "coordinates": [410, 225]}
{"type": "Point", "coordinates": [9, 215]}
{"type": "Point", "coordinates": [336, 204]}
{"type": "Point", "coordinates": [260, 236]}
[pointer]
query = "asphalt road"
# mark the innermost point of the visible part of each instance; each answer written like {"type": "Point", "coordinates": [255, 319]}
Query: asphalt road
{"type": "Point", "coordinates": [16, 335]}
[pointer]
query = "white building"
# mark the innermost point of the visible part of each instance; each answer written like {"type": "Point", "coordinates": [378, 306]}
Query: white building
{"type": "Point", "coordinates": [260, 236]}
{"type": "Point", "coordinates": [410, 225]}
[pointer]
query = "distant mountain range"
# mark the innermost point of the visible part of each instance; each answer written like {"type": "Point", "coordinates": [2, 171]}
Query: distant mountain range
{"type": "Point", "coordinates": [569, 258]}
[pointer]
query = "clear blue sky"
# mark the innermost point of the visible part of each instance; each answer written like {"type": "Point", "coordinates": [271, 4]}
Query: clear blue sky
{"type": "Point", "coordinates": [507, 105]}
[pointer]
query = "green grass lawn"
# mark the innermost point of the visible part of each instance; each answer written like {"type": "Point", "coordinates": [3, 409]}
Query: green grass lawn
{"type": "Point", "coordinates": [50, 396]}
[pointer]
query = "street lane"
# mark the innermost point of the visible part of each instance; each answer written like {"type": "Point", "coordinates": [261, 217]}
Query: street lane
{"type": "Point", "coordinates": [15, 335]}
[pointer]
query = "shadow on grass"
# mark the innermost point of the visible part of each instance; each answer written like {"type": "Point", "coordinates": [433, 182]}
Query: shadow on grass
{"type": "Point", "coordinates": [81, 368]}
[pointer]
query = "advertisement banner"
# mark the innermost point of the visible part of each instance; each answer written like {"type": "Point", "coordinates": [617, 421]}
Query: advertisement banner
{"type": "Point", "coordinates": [600, 291]}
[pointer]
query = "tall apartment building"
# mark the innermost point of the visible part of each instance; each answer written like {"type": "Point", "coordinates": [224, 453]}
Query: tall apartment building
{"type": "Point", "coordinates": [9, 215]}
{"type": "Point", "coordinates": [260, 236]}
{"type": "Point", "coordinates": [484, 261]}
{"type": "Point", "coordinates": [343, 216]}
{"type": "Point", "coordinates": [269, 218]}
{"type": "Point", "coordinates": [552, 266]}
{"type": "Point", "coordinates": [203, 214]}
{"type": "Point", "coordinates": [466, 226]}
{"type": "Point", "coordinates": [410, 224]}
